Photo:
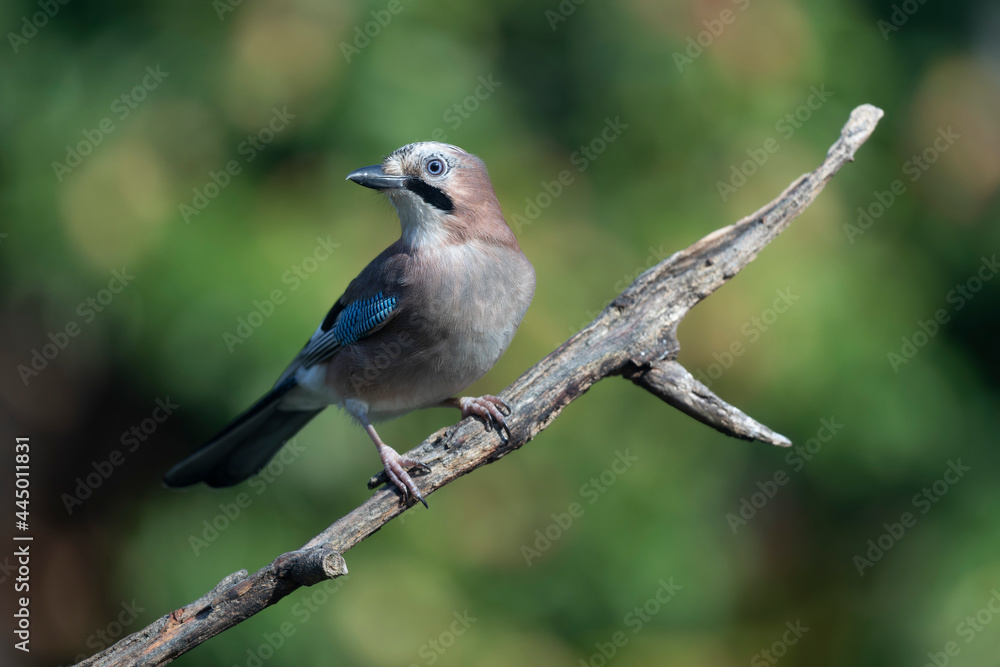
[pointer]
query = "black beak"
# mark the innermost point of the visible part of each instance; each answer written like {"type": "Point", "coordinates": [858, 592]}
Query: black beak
{"type": "Point", "coordinates": [373, 177]}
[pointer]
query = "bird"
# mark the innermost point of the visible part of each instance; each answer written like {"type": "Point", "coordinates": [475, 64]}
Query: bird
{"type": "Point", "coordinates": [426, 318]}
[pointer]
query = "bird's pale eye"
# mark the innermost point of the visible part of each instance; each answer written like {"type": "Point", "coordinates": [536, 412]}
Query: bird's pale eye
{"type": "Point", "coordinates": [435, 166]}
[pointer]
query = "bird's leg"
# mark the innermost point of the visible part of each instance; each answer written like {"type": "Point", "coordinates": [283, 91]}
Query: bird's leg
{"type": "Point", "coordinates": [396, 465]}
{"type": "Point", "coordinates": [487, 408]}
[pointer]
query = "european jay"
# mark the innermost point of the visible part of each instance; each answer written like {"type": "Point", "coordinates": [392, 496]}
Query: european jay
{"type": "Point", "coordinates": [424, 320]}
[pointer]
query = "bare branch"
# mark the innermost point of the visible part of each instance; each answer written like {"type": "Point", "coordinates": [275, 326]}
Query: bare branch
{"type": "Point", "coordinates": [672, 382]}
{"type": "Point", "coordinates": [235, 599]}
{"type": "Point", "coordinates": [635, 337]}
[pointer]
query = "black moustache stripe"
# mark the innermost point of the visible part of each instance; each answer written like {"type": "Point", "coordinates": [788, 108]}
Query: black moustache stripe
{"type": "Point", "coordinates": [430, 194]}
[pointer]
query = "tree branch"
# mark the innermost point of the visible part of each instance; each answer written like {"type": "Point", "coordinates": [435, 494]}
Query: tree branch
{"type": "Point", "coordinates": [635, 337]}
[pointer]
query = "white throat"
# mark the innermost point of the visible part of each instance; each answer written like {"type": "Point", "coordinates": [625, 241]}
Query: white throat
{"type": "Point", "coordinates": [422, 224]}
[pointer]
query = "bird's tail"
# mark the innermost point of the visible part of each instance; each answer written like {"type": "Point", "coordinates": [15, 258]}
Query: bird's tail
{"type": "Point", "coordinates": [243, 447]}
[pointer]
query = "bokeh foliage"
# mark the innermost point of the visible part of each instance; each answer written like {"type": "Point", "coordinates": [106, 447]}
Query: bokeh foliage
{"type": "Point", "coordinates": [549, 76]}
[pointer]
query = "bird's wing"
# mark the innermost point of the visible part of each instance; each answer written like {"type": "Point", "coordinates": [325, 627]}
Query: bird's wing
{"type": "Point", "coordinates": [347, 322]}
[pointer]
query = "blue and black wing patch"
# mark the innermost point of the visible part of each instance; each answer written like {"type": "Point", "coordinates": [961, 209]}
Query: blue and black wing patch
{"type": "Point", "coordinates": [360, 317]}
{"type": "Point", "coordinates": [344, 325]}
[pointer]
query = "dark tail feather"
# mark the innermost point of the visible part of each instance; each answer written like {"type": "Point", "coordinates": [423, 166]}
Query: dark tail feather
{"type": "Point", "coordinates": [243, 447]}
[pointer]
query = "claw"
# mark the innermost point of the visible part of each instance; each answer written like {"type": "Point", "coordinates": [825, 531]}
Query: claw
{"type": "Point", "coordinates": [395, 470]}
{"type": "Point", "coordinates": [396, 465]}
{"type": "Point", "coordinates": [487, 408]}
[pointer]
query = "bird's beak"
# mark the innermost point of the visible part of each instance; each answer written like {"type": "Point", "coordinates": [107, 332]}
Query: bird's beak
{"type": "Point", "coordinates": [373, 177]}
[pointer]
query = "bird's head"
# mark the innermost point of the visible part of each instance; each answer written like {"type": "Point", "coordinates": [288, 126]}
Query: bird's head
{"type": "Point", "coordinates": [441, 193]}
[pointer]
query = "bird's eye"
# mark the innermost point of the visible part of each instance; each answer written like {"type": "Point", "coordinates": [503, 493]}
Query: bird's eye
{"type": "Point", "coordinates": [435, 167]}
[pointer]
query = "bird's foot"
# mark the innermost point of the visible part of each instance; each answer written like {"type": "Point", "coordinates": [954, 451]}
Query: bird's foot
{"type": "Point", "coordinates": [395, 469]}
{"type": "Point", "coordinates": [489, 408]}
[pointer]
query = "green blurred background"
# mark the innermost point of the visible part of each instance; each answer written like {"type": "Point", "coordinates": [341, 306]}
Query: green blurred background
{"type": "Point", "coordinates": [524, 85]}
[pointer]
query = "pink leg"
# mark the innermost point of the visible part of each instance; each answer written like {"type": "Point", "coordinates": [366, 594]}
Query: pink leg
{"type": "Point", "coordinates": [396, 465]}
{"type": "Point", "coordinates": [487, 408]}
